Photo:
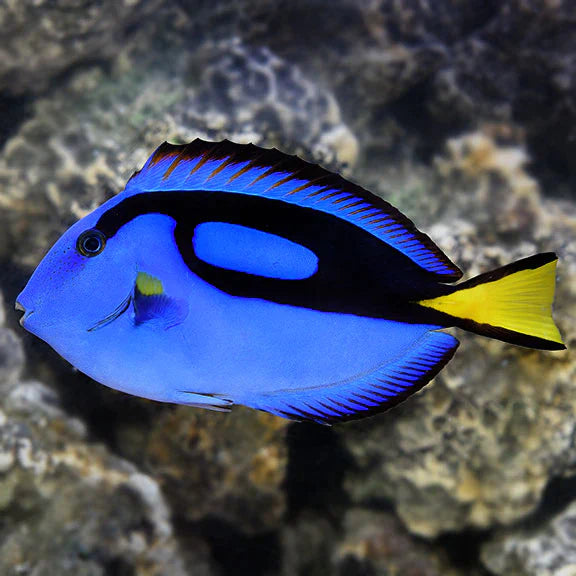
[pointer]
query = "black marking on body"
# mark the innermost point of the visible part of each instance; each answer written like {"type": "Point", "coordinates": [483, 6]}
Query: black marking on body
{"type": "Point", "coordinates": [329, 183]}
{"type": "Point", "coordinates": [357, 272]}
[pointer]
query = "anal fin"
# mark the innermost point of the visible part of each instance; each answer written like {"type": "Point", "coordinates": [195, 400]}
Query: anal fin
{"type": "Point", "coordinates": [371, 393]}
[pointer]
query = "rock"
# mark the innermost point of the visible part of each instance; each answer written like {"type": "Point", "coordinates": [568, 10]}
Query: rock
{"type": "Point", "coordinates": [229, 467]}
{"type": "Point", "coordinates": [83, 142]}
{"type": "Point", "coordinates": [43, 39]}
{"type": "Point", "coordinates": [252, 89]}
{"type": "Point", "coordinates": [519, 62]}
{"type": "Point", "coordinates": [408, 76]}
{"type": "Point", "coordinates": [308, 544]}
{"type": "Point", "coordinates": [68, 506]}
{"type": "Point", "coordinates": [376, 543]}
{"type": "Point", "coordinates": [545, 550]}
{"type": "Point", "coordinates": [11, 359]}
{"type": "Point", "coordinates": [477, 448]}
{"type": "Point", "coordinates": [366, 542]}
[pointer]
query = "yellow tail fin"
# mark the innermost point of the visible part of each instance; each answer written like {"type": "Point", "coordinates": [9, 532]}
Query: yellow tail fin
{"type": "Point", "coordinates": [513, 303]}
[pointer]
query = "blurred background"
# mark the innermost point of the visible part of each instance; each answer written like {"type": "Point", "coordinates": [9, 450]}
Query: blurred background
{"type": "Point", "coordinates": [463, 115]}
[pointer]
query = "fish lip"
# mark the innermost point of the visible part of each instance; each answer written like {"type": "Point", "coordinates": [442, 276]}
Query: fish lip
{"type": "Point", "coordinates": [27, 313]}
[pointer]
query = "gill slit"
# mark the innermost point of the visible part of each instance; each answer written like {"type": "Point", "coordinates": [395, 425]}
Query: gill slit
{"type": "Point", "coordinates": [114, 315]}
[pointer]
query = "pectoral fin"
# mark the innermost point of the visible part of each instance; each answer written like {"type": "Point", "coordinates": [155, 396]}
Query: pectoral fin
{"type": "Point", "coordinates": [152, 305]}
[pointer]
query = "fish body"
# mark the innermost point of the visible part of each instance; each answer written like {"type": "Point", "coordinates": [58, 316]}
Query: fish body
{"type": "Point", "coordinates": [229, 274]}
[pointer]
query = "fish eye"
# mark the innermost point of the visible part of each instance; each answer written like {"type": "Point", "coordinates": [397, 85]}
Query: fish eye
{"type": "Point", "coordinates": [91, 243]}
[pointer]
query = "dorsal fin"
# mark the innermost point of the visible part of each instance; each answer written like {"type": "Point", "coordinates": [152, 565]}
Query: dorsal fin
{"type": "Point", "coordinates": [248, 169]}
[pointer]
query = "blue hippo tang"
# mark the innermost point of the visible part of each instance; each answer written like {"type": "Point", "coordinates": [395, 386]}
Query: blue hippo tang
{"type": "Point", "coordinates": [229, 274]}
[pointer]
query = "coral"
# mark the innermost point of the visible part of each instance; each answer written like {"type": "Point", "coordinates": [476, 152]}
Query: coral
{"type": "Point", "coordinates": [410, 74]}
{"type": "Point", "coordinates": [44, 38]}
{"type": "Point", "coordinates": [375, 543]}
{"type": "Point", "coordinates": [547, 550]}
{"type": "Point", "coordinates": [365, 542]}
{"type": "Point", "coordinates": [477, 448]}
{"type": "Point", "coordinates": [229, 467]}
{"type": "Point", "coordinates": [460, 113]}
{"type": "Point", "coordinates": [308, 544]}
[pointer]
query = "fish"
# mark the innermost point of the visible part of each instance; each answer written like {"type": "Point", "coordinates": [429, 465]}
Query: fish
{"type": "Point", "coordinates": [228, 274]}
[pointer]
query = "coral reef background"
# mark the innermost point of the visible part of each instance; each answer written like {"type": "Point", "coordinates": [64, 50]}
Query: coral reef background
{"type": "Point", "coordinates": [462, 114]}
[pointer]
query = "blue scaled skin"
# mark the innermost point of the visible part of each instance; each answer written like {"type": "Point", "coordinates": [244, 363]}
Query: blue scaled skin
{"type": "Point", "coordinates": [226, 274]}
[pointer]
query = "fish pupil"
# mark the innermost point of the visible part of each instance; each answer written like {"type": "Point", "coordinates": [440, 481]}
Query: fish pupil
{"type": "Point", "coordinates": [91, 243]}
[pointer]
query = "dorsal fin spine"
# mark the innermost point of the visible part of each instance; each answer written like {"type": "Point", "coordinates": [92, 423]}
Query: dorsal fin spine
{"type": "Point", "coordinates": [320, 190]}
{"type": "Point", "coordinates": [219, 169]}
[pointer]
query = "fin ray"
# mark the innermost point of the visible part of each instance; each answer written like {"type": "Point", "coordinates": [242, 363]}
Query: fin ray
{"type": "Point", "coordinates": [213, 402]}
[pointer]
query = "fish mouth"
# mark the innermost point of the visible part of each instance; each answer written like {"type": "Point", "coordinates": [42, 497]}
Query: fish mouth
{"type": "Point", "coordinates": [27, 313]}
{"type": "Point", "coordinates": [114, 315]}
